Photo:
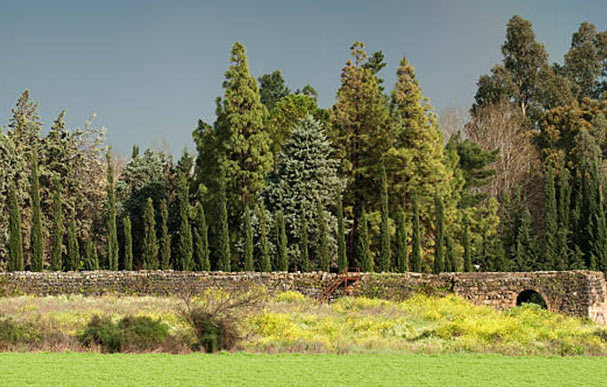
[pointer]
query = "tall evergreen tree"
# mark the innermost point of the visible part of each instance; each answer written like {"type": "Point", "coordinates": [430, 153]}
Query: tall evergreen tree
{"type": "Point", "coordinates": [90, 255]}
{"type": "Point", "coordinates": [360, 119]}
{"type": "Point", "coordinates": [165, 237]}
{"type": "Point", "coordinates": [272, 88]}
{"type": "Point", "coordinates": [450, 265]}
{"type": "Point", "coordinates": [73, 249]}
{"type": "Point", "coordinates": [365, 258]}
{"type": "Point", "coordinates": [128, 243]}
{"type": "Point", "coordinates": [36, 238]}
{"type": "Point", "coordinates": [467, 250]}
{"type": "Point", "coordinates": [201, 251]}
{"type": "Point", "coordinates": [58, 228]}
{"type": "Point", "coordinates": [265, 263]}
{"type": "Point", "coordinates": [551, 250]}
{"type": "Point", "coordinates": [402, 258]}
{"type": "Point", "coordinates": [525, 258]}
{"type": "Point", "coordinates": [185, 248]}
{"type": "Point", "coordinates": [416, 248]}
{"type": "Point", "coordinates": [303, 241]}
{"type": "Point", "coordinates": [439, 236]}
{"type": "Point", "coordinates": [15, 241]}
{"type": "Point", "coordinates": [342, 258]}
{"type": "Point", "coordinates": [564, 210]}
{"type": "Point", "coordinates": [323, 239]}
{"type": "Point", "coordinates": [385, 255]}
{"type": "Point", "coordinates": [112, 231]}
{"type": "Point", "coordinates": [150, 243]}
{"type": "Point", "coordinates": [282, 259]}
{"type": "Point", "coordinates": [248, 247]}
{"type": "Point", "coordinates": [599, 243]}
{"type": "Point", "coordinates": [223, 235]}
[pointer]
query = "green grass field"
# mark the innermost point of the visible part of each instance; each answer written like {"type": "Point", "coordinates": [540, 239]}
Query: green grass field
{"type": "Point", "coordinates": [90, 369]}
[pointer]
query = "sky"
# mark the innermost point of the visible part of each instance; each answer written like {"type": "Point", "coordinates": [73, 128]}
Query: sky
{"type": "Point", "coordinates": [150, 69]}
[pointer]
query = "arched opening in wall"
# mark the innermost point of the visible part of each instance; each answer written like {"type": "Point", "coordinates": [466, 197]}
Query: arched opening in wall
{"type": "Point", "coordinates": [531, 297]}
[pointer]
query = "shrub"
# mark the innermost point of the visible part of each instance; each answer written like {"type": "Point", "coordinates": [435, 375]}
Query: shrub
{"type": "Point", "coordinates": [12, 333]}
{"type": "Point", "coordinates": [133, 333]}
{"type": "Point", "coordinates": [213, 333]}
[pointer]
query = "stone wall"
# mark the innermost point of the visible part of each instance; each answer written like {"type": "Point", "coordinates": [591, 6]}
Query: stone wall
{"type": "Point", "coordinates": [577, 293]}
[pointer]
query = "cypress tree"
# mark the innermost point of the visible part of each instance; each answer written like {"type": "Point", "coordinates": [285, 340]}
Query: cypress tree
{"type": "Point", "coordinates": [342, 258]}
{"type": "Point", "coordinates": [564, 203]}
{"type": "Point", "coordinates": [58, 228]}
{"type": "Point", "coordinates": [364, 253]}
{"type": "Point", "coordinates": [73, 249]}
{"type": "Point", "coordinates": [128, 243]}
{"type": "Point", "coordinates": [248, 241]}
{"type": "Point", "coordinates": [201, 250]}
{"type": "Point", "coordinates": [165, 237]}
{"type": "Point", "coordinates": [323, 243]}
{"type": "Point", "coordinates": [223, 234]}
{"type": "Point", "coordinates": [439, 230]}
{"type": "Point", "coordinates": [467, 251]}
{"type": "Point", "coordinates": [15, 242]}
{"type": "Point", "coordinates": [384, 251]}
{"type": "Point", "coordinates": [112, 232]}
{"type": "Point", "coordinates": [265, 263]}
{"type": "Point", "coordinates": [150, 244]}
{"type": "Point", "coordinates": [526, 250]}
{"type": "Point", "coordinates": [416, 249]}
{"type": "Point", "coordinates": [450, 266]}
{"type": "Point", "coordinates": [303, 240]}
{"type": "Point", "coordinates": [402, 258]}
{"type": "Point", "coordinates": [282, 260]}
{"type": "Point", "coordinates": [36, 238]}
{"type": "Point", "coordinates": [185, 248]}
{"type": "Point", "coordinates": [551, 250]}
{"type": "Point", "coordinates": [599, 243]}
{"type": "Point", "coordinates": [90, 255]}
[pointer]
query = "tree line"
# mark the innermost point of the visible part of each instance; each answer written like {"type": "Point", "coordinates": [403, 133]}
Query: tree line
{"type": "Point", "coordinates": [377, 181]}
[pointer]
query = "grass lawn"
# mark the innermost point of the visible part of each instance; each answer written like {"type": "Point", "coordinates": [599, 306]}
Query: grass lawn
{"type": "Point", "coordinates": [91, 369]}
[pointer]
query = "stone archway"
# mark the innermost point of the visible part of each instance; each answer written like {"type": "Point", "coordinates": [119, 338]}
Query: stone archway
{"type": "Point", "coordinates": [530, 296]}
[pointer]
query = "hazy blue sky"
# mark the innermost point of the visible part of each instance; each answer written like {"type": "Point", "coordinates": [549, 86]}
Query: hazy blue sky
{"type": "Point", "coordinates": [150, 69]}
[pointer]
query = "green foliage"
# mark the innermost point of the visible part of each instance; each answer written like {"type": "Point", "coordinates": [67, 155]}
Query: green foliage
{"type": "Point", "coordinates": [551, 250]}
{"type": "Point", "coordinates": [467, 250]}
{"type": "Point", "coordinates": [365, 259]}
{"type": "Point", "coordinates": [265, 263]}
{"type": "Point", "coordinates": [282, 259]}
{"type": "Point", "coordinates": [401, 255]}
{"type": "Point", "coordinates": [15, 244]}
{"type": "Point", "coordinates": [112, 232]}
{"type": "Point", "coordinates": [134, 333]}
{"type": "Point", "coordinates": [223, 235]}
{"type": "Point", "coordinates": [91, 261]}
{"type": "Point", "coordinates": [185, 248]}
{"type": "Point", "coordinates": [58, 228]}
{"type": "Point", "coordinates": [342, 258]}
{"type": "Point", "coordinates": [416, 253]}
{"type": "Point", "coordinates": [128, 244]}
{"type": "Point", "coordinates": [201, 240]}
{"type": "Point", "coordinates": [322, 252]}
{"type": "Point", "coordinates": [248, 251]}
{"type": "Point", "coordinates": [36, 237]}
{"type": "Point", "coordinates": [212, 332]}
{"type": "Point", "coordinates": [385, 255]}
{"type": "Point", "coordinates": [303, 241]}
{"type": "Point", "coordinates": [272, 88]}
{"type": "Point", "coordinates": [73, 248]}
{"type": "Point", "coordinates": [150, 243]}
{"type": "Point", "coordinates": [439, 237]}
{"type": "Point", "coordinates": [165, 237]}
{"type": "Point", "coordinates": [450, 264]}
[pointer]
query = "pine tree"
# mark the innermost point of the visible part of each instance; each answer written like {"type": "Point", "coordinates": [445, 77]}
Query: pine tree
{"type": "Point", "coordinates": [150, 244]}
{"type": "Point", "coordinates": [201, 251]}
{"type": "Point", "coordinates": [128, 243]}
{"type": "Point", "coordinates": [385, 253]}
{"type": "Point", "coordinates": [265, 263]}
{"type": "Point", "coordinates": [112, 232]}
{"type": "Point", "coordinates": [58, 228]}
{"type": "Point", "coordinates": [282, 260]}
{"type": "Point", "coordinates": [248, 247]}
{"type": "Point", "coordinates": [165, 237]}
{"type": "Point", "coordinates": [402, 258]}
{"type": "Point", "coordinates": [323, 239]}
{"type": "Point", "coordinates": [551, 250]}
{"type": "Point", "coordinates": [185, 248]}
{"type": "Point", "coordinates": [365, 258]}
{"type": "Point", "coordinates": [303, 241]}
{"type": "Point", "coordinates": [37, 240]}
{"type": "Point", "coordinates": [223, 236]}
{"type": "Point", "coordinates": [439, 231]}
{"type": "Point", "coordinates": [467, 251]}
{"type": "Point", "coordinates": [416, 253]}
{"type": "Point", "coordinates": [15, 242]}
{"type": "Point", "coordinates": [73, 249]}
{"type": "Point", "coordinates": [342, 258]}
